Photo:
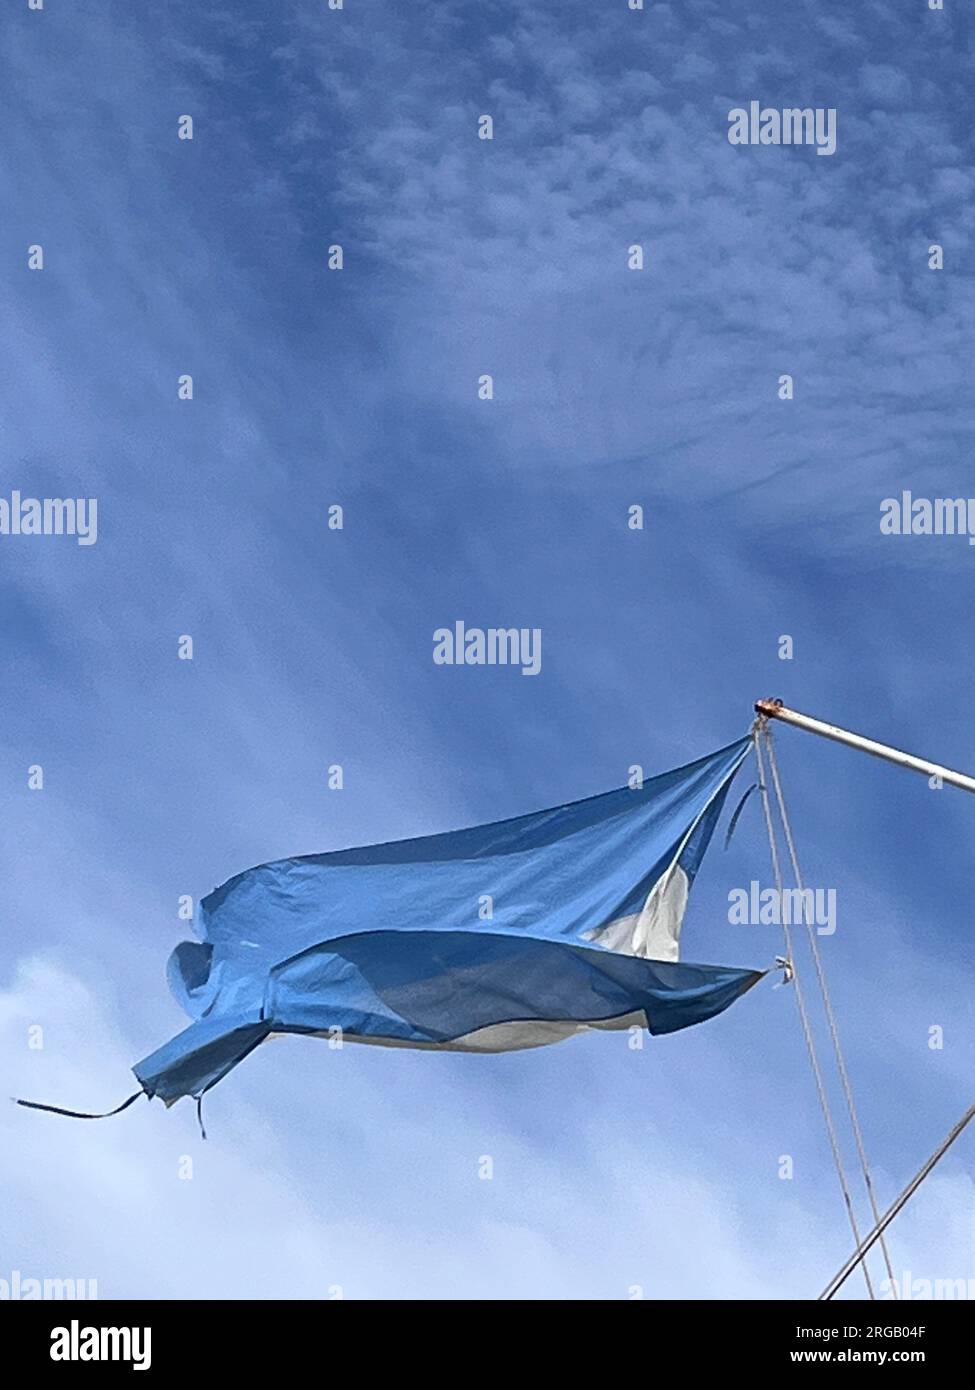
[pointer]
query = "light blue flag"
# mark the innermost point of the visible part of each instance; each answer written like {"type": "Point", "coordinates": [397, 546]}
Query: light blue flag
{"type": "Point", "coordinates": [500, 936]}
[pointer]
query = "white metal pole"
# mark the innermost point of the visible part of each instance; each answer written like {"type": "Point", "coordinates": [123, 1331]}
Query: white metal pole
{"type": "Point", "coordinates": [774, 709]}
{"type": "Point", "coordinates": [892, 1211]}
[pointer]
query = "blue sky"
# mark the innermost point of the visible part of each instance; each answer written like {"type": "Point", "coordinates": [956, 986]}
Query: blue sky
{"type": "Point", "coordinates": [358, 1169]}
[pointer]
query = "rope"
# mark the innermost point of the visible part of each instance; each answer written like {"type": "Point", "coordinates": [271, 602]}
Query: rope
{"type": "Point", "coordinates": [79, 1114]}
{"type": "Point", "coordinates": [804, 1017]}
{"type": "Point", "coordinates": [828, 1006]}
{"type": "Point", "coordinates": [887, 1218]}
{"type": "Point", "coordinates": [738, 810]}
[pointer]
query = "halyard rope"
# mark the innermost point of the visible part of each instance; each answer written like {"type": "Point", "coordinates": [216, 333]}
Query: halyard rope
{"type": "Point", "coordinates": [804, 1017]}
{"type": "Point", "coordinates": [828, 1006]}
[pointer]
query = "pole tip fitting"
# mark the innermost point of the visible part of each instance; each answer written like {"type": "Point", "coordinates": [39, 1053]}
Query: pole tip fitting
{"type": "Point", "coordinates": [768, 707]}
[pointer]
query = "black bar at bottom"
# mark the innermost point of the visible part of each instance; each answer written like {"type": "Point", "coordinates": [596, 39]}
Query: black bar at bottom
{"type": "Point", "coordinates": [337, 1338]}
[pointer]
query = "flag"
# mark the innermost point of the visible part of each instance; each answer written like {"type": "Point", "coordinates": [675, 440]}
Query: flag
{"type": "Point", "coordinates": [501, 936]}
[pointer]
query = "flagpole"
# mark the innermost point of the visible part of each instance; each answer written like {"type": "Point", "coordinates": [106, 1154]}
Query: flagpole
{"type": "Point", "coordinates": [892, 1211]}
{"type": "Point", "coordinates": [775, 709]}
